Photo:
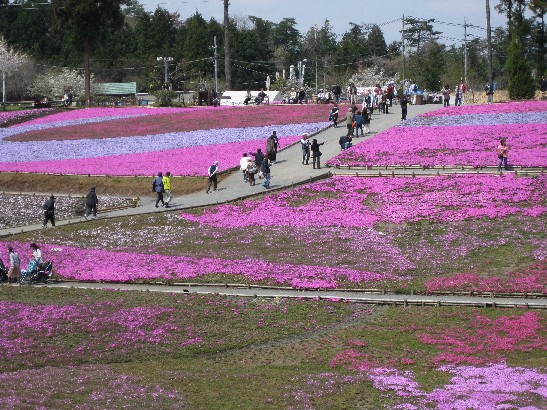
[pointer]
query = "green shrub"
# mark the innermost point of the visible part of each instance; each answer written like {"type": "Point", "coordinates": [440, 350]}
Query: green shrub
{"type": "Point", "coordinates": [521, 84]}
{"type": "Point", "coordinates": [164, 98]}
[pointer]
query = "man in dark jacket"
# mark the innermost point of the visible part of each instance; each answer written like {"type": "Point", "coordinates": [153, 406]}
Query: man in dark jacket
{"type": "Point", "coordinates": [49, 211]}
{"type": "Point", "coordinates": [91, 202]}
{"type": "Point", "coordinates": [404, 107]}
{"type": "Point", "coordinates": [259, 157]}
{"type": "Point", "coordinates": [157, 187]}
{"type": "Point", "coordinates": [265, 168]}
{"type": "Point", "coordinates": [212, 177]}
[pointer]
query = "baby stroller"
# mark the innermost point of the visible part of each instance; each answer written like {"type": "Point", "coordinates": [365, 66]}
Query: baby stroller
{"type": "Point", "coordinates": [36, 273]}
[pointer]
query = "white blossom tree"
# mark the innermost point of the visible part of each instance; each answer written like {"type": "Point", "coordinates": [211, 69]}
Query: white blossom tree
{"type": "Point", "coordinates": [53, 84]}
{"type": "Point", "coordinates": [10, 61]}
{"type": "Point", "coordinates": [370, 77]}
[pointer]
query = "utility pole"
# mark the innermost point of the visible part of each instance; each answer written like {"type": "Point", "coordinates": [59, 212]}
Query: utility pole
{"type": "Point", "coordinates": [464, 51]}
{"type": "Point", "coordinates": [404, 58]}
{"type": "Point", "coordinates": [489, 51]}
{"type": "Point", "coordinates": [166, 61]}
{"type": "Point", "coordinates": [227, 68]}
{"type": "Point", "coordinates": [315, 44]}
{"type": "Point", "coordinates": [216, 65]}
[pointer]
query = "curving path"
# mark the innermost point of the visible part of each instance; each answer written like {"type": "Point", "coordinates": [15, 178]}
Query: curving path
{"type": "Point", "coordinates": [286, 172]}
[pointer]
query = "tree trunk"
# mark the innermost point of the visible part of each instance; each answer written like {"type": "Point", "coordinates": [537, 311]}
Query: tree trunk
{"type": "Point", "coordinates": [489, 47]}
{"type": "Point", "coordinates": [227, 68]}
{"type": "Point", "coordinates": [87, 75]}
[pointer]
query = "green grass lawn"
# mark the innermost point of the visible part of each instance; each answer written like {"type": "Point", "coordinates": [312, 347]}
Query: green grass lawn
{"type": "Point", "coordinates": [108, 349]}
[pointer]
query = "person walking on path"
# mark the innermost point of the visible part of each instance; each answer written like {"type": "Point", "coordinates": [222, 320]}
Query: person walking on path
{"type": "Point", "coordinates": [446, 95]}
{"type": "Point", "coordinates": [305, 142]}
{"type": "Point", "coordinates": [349, 121]}
{"type": "Point", "coordinates": [458, 96]}
{"type": "Point", "coordinates": [270, 149]}
{"type": "Point", "coordinates": [14, 271]}
{"type": "Point", "coordinates": [265, 168]}
{"type": "Point", "coordinates": [49, 211]}
{"type": "Point", "coordinates": [367, 115]}
{"type": "Point", "coordinates": [503, 153]}
{"type": "Point", "coordinates": [212, 177]}
{"type": "Point", "coordinates": [316, 154]}
{"type": "Point", "coordinates": [91, 202]}
{"type": "Point", "coordinates": [168, 193]}
{"type": "Point", "coordinates": [157, 187]}
{"type": "Point", "coordinates": [333, 115]}
{"type": "Point", "coordinates": [259, 156]}
{"type": "Point", "coordinates": [358, 124]}
{"type": "Point", "coordinates": [276, 144]}
{"type": "Point", "coordinates": [404, 107]}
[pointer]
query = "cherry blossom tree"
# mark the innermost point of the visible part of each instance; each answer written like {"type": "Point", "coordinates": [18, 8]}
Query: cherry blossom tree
{"type": "Point", "coordinates": [54, 83]}
{"type": "Point", "coordinates": [10, 61]}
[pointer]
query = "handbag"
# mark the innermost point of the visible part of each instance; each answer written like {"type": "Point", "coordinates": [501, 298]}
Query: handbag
{"type": "Point", "coordinates": [500, 156]}
{"type": "Point", "coordinates": [353, 124]}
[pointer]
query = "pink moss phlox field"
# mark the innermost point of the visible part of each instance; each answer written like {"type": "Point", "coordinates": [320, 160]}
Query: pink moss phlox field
{"type": "Point", "coordinates": [471, 145]}
{"type": "Point", "coordinates": [496, 386]}
{"type": "Point", "coordinates": [138, 141]}
{"type": "Point", "coordinates": [133, 327]}
{"type": "Point", "coordinates": [101, 265]}
{"type": "Point", "coordinates": [488, 339]}
{"type": "Point", "coordinates": [6, 117]}
{"type": "Point", "coordinates": [502, 108]}
{"type": "Point", "coordinates": [181, 161]}
{"type": "Point", "coordinates": [400, 200]}
{"type": "Point", "coordinates": [454, 143]}
{"type": "Point", "coordinates": [106, 113]}
{"type": "Point", "coordinates": [532, 279]}
{"type": "Point", "coordinates": [83, 388]}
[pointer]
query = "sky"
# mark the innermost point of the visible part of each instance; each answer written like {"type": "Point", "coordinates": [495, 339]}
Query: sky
{"type": "Point", "coordinates": [308, 13]}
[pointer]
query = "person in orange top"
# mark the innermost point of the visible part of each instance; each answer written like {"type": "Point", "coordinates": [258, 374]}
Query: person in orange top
{"type": "Point", "coordinates": [503, 153]}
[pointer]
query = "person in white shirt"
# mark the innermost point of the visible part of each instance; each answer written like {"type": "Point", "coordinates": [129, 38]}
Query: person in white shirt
{"type": "Point", "coordinates": [243, 164]}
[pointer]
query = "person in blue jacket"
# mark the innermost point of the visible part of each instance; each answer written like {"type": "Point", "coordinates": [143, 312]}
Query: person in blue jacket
{"type": "Point", "coordinates": [157, 187]}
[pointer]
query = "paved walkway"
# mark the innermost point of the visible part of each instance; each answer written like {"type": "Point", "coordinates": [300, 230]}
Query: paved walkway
{"type": "Point", "coordinates": [286, 172]}
{"type": "Point", "coordinates": [361, 297]}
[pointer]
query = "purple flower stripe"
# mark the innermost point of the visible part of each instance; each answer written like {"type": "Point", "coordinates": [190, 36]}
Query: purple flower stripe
{"type": "Point", "coordinates": [478, 119]}
{"type": "Point", "coordinates": [511, 107]}
{"type": "Point", "coordinates": [69, 117]}
{"type": "Point", "coordinates": [190, 161]}
{"type": "Point", "coordinates": [22, 128]}
{"type": "Point", "coordinates": [59, 150]}
{"type": "Point", "coordinates": [495, 386]}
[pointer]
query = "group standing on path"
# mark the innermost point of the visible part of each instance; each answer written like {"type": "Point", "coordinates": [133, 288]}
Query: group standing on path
{"type": "Point", "coordinates": [161, 185]}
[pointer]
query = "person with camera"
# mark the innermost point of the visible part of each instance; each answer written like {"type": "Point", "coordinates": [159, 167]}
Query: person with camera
{"type": "Point", "coordinates": [316, 154]}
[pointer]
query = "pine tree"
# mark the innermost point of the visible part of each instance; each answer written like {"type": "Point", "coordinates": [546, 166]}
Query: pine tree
{"type": "Point", "coordinates": [521, 83]}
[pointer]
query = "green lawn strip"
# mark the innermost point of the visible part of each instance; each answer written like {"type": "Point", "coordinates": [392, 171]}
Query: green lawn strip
{"type": "Point", "coordinates": [255, 352]}
{"type": "Point", "coordinates": [109, 327]}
